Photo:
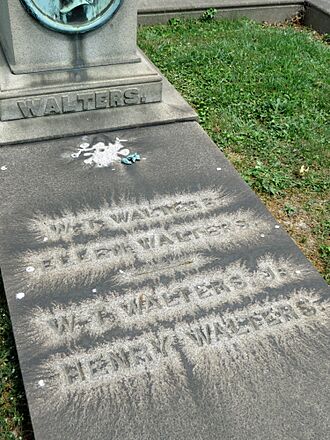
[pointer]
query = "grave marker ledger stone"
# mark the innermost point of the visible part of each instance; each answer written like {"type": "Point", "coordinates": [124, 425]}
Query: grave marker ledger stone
{"type": "Point", "coordinates": [152, 295]}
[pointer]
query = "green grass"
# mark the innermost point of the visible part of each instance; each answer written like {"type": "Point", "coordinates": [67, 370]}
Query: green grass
{"type": "Point", "coordinates": [13, 408]}
{"type": "Point", "coordinates": [262, 94]}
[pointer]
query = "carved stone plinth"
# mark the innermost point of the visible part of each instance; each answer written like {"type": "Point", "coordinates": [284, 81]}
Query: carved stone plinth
{"type": "Point", "coordinates": [31, 47]}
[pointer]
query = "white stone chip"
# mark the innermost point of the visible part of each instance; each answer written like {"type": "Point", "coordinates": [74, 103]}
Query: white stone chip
{"type": "Point", "coordinates": [4, 168]}
{"type": "Point", "coordinates": [41, 383]}
{"type": "Point", "coordinates": [219, 169]}
{"type": "Point", "coordinates": [20, 295]}
{"type": "Point", "coordinates": [30, 269]}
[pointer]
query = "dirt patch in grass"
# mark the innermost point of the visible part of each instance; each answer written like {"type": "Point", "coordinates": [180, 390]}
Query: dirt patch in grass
{"type": "Point", "coordinates": [305, 218]}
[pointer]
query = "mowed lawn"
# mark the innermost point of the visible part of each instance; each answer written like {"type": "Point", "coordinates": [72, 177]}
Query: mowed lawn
{"type": "Point", "coordinates": [263, 95]}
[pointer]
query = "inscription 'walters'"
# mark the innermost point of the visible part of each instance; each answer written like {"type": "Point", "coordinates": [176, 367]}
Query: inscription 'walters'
{"type": "Point", "coordinates": [79, 102]}
{"type": "Point", "coordinates": [257, 337]}
{"type": "Point", "coordinates": [63, 324]}
{"type": "Point", "coordinates": [215, 329]}
{"type": "Point", "coordinates": [126, 215]}
{"type": "Point", "coordinates": [206, 343]}
{"type": "Point", "coordinates": [222, 231]}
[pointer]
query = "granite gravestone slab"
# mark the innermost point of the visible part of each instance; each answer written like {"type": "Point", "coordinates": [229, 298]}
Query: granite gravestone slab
{"type": "Point", "coordinates": [158, 300]}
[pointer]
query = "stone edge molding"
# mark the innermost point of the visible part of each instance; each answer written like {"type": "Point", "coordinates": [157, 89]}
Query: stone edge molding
{"type": "Point", "coordinates": [172, 108]}
{"type": "Point", "coordinates": [316, 13]}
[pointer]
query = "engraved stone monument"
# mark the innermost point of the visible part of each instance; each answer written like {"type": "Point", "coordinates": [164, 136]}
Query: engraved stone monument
{"type": "Point", "coordinates": [151, 293]}
{"type": "Point", "coordinates": [65, 57]}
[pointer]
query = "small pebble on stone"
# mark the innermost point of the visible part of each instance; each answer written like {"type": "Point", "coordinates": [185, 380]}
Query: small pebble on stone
{"type": "Point", "coordinates": [20, 295]}
{"type": "Point", "coordinates": [30, 269]}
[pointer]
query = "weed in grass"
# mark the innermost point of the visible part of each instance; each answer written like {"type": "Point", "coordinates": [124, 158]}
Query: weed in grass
{"type": "Point", "coordinates": [262, 178]}
{"type": "Point", "coordinates": [325, 255]}
{"type": "Point", "coordinates": [174, 21]}
{"type": "Point", "coordinates": [289, 210]}
{"type": "Point", "coordinates": [326, 38]}
{"type": "Point", "coordinates": [209, 14]}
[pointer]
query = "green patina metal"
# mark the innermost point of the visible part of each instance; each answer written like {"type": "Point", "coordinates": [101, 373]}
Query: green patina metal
{"type": "Point", "coordinates": [72, 16]}
{"type": "Point", "coordinates": [130, 159]}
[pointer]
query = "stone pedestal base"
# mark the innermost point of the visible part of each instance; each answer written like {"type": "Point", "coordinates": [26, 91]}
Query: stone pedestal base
{"type": "Point", "coordinates": [38, 106]}
{"type": "Point", "coordinates": [34, 95]}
